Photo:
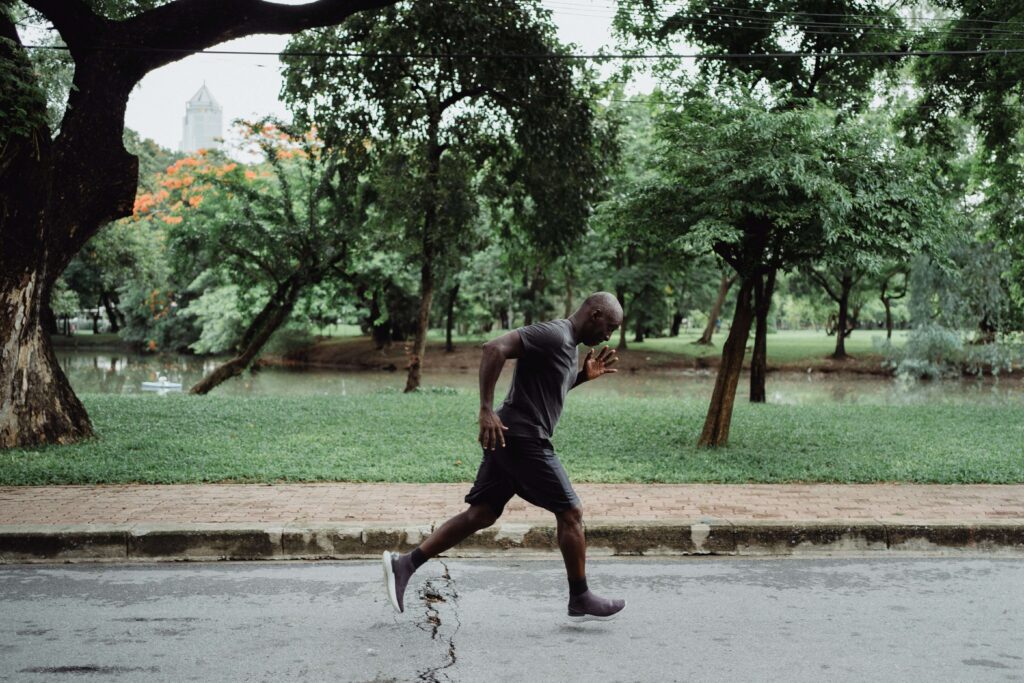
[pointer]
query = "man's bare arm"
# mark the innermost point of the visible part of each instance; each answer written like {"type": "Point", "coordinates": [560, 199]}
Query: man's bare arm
{"type": "Point", "coordinates": [495, 352]}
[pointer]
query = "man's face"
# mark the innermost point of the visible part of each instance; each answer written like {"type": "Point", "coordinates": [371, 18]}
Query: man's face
{"type": "Point", "coordinates": [602, 325]}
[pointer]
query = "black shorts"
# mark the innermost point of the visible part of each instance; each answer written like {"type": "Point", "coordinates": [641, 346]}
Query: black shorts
{"type": "Point", "coordinates": [527, 467]}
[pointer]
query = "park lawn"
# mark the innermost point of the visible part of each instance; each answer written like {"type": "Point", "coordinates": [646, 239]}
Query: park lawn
{"type": "Point", "coordinates": [784, 346]}
{"type": "Point", "coordinates": [430, 437]}
{"type": "Point", "coordinates": [787, 350]}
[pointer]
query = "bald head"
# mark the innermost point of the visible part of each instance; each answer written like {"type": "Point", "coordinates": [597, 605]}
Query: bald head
{"type": "Point", "coordinates": [604, 301]}
{"type": "Point", "coordinates": [596, 319]}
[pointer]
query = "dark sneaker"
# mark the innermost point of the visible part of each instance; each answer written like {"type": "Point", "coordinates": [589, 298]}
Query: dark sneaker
{"type": "Point", "coordinates": [589, 607]}
{"type": "Point", "coordinates": [397, 570]}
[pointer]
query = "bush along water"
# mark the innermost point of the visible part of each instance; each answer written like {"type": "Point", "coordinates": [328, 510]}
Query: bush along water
{"type": "Point", "coordinates": [934, 352]}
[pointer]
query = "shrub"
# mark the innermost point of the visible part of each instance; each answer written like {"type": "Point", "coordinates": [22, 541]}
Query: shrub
{"type": "Point", "coordinates": [931, 351]}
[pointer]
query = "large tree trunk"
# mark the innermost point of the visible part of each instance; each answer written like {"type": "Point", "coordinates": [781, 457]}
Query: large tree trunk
{"type": "Point", "coordinates": [759, 360]}
{"type": "Point", "coordinates": [453, 295]}
{"type": "Point", "coordinates": [37, 405]}
{"type": "Point", "coordinates": [48, 320]}
{"type": "Point", "coordinates": [716, 309]}
{"type": "Point", "coordinates": [256, 335]}
{"type": "Point", "coordinates": [887, 302]}
{"type": "Point", "coordinates": [716, 425]}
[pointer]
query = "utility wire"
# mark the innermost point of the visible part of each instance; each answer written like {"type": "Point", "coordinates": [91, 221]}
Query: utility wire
{"type": "Point", "coordinates": [556, 55]}
{"type": "Point", "coordinates": [728, 10]}
{"type": "Point", "coordinates": [795, 20]}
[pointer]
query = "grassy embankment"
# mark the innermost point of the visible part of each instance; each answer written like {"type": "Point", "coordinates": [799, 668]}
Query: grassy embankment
{"type": "Point", "coordinates": [787, 350]}
{"type": "Point", "coordinates": [429, 437]}
{"type": "Point", "coordinates": [786, 346]}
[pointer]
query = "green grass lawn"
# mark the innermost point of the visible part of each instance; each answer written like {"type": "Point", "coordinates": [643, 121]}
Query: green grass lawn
{"type": "Point", "coordinates": [785, 346]}
{"type": "Point", "coordinates": [430, 437]}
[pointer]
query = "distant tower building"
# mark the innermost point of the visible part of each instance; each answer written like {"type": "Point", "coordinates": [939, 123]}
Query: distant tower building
{"type": "Point", "coordinates": [202, 122]}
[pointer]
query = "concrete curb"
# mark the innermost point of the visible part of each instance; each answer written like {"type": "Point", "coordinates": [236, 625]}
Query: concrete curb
{"type": "Point", "coordinates": [706, 536]}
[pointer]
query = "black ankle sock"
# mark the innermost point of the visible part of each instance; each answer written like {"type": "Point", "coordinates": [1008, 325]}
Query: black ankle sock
{"type": "Point", "coordinates": [417, 557]}
{"type": "Point", "coordinates": [577, 586]}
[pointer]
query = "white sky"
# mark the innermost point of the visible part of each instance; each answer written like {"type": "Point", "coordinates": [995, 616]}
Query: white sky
{"type": "Point", "coordinates": [247, 86]}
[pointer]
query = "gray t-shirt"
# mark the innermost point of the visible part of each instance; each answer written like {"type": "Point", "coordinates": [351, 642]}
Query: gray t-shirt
{"type": "Point", "coordinates": [543, 376]}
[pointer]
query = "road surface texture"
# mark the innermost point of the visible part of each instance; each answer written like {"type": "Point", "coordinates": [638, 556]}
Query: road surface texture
{"type": "Point", "coordinates": [689, 619]}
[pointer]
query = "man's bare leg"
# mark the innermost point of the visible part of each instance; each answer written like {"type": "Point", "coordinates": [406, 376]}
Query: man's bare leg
{"type": "Point", "coordinates": [572, 542]}
{"type": "Point", "coordinates": [399, 568]}
{"type": "Point", "coordinates": [459, 527]}
{"type": "Point", "coordinates": [583, 604]}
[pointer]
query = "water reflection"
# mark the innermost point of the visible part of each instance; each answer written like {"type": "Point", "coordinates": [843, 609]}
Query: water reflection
{"type": "Point", "coordinates": [124, 373]}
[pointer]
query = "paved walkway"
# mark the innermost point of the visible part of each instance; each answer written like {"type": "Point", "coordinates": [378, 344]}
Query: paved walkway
{"type": "Point", "coordinates": [426, 503]}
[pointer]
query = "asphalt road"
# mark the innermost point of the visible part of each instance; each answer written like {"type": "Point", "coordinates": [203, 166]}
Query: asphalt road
{"type": "Point", "coordinates": [691, 619]}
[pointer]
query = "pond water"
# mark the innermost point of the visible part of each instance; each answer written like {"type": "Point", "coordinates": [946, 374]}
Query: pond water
{"type": "Point", "coordinates": [124, 373]}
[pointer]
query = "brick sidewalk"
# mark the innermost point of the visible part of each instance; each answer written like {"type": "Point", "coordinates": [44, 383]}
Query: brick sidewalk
{"type": "Point", "coordinates": [426, 503]}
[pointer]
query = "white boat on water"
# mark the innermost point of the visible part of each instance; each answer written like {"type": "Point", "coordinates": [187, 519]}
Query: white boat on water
{"type": "Point", "coordinates": [162, 385]}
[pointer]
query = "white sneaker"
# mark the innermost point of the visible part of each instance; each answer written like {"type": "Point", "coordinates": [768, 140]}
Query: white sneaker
{"type": "Point", "coordinates": [389, 579]}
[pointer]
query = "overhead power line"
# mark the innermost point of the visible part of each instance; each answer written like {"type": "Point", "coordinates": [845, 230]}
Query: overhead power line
{"type": "Point", "coordinates": [557, 56]}
{"type": "Point", "coordinates": [732, 10]}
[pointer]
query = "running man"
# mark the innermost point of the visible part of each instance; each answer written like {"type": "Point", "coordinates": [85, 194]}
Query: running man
{"type": "Point", "coordinates": [518, 456]}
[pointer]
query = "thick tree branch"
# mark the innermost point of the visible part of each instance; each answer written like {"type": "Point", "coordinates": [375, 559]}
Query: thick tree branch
{"type": "Point", "coordinates": [73, 19]}
{"type": "Point", "coordinates": [175, 26]}
{"type": "Point", "coordinates": [823, 281]}
{"type": "Point", "coordinates": [463, 94]}
{"type": "Point", "coordinates": [249, 256]}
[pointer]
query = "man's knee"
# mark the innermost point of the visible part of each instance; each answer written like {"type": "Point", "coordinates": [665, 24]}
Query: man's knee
{"type": "Point", "coordinates": [481, 516]}
{"type": "Point", "coordinates": [572, 516]}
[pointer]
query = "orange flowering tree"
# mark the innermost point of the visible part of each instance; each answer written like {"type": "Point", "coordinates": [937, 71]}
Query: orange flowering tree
{"type": "Point", "coordinates": [119, 269]}
{"type": "Point", "coordinates": [270, 231]}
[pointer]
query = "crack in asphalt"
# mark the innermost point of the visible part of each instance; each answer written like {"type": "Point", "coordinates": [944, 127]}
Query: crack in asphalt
{"type": "Point", "coordinates": [433, 592]}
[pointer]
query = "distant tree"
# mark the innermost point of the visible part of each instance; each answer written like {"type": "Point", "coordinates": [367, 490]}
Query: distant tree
{"type": "Point", "coordinates": [964, 289]}
{"type": "Point", "coordinates": [752, 27]}
{"type": "Point", "coordinates": [770, 191]}
{"type": "Point", "coordinates": [273, 232]}
{"type": "Point", "coordinates": [986, 93]}
{"type": "Point", "coordinates": [525, 121]}
{"type": "Point", "coordinates": [645, 268]}
{"type": "Point", "coordinates": [892, 284]}
{"type": "Point", "coordinates": [65, 305]}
